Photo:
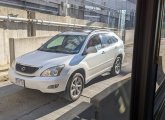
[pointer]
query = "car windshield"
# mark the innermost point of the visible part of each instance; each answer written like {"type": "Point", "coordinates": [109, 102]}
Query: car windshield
{"type": "Point", "coordinates": [69, 44]}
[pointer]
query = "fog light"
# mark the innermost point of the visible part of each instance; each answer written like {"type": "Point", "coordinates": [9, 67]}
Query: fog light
{"type": "Point", "coordinates": [53, 86]}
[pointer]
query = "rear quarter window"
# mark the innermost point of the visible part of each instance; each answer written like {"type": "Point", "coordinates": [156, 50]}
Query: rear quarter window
{"type": "Point", "coordinates": [114, 39]}
{"type": "Point", "coordinates": [105, 40]}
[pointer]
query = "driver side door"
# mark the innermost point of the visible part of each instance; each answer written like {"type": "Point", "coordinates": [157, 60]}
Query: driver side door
{"type": "Point", "coordinates": [95, 61]}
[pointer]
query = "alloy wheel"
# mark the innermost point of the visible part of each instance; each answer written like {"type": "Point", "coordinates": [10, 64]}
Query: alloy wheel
{"type": "Point", "coordinates": [76, 87]}
{"type": "Point", "coordinates": [118, 65]}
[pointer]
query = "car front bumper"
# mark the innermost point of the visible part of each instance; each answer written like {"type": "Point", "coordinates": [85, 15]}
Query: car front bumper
{"type": "Point", "coordinates": [44, 84]}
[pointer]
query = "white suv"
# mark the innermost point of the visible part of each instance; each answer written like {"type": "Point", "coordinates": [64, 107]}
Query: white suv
{"type": "Point", "coordinates": [68, 61]}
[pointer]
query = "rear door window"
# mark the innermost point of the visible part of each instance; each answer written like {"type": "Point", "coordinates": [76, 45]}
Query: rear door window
{"type": "Point", "coordinates": [114, 39]}
{"type": "Point", "coordinates": [105, 40]}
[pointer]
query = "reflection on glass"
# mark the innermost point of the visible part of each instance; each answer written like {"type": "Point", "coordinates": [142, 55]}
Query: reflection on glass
{"type": "Point", "coordinates": [43, 19]}
{"type": "Point", "coordinates": [161, 66]}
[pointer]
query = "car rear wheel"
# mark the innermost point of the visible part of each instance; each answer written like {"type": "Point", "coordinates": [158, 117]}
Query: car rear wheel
{"type": "Point", "coordinates": [74, 87]}
{"type": "Point", "coordinates": [116, 69]}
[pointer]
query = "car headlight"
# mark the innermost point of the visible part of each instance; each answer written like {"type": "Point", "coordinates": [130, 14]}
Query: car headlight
{"type": "Point", "coordinates": [13, 64]}
{"type": "Point", "coordinates": [53, 71]}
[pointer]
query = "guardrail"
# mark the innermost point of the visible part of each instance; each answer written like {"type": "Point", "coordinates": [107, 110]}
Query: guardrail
{"type": "Point", "coordinates": [45, 22]}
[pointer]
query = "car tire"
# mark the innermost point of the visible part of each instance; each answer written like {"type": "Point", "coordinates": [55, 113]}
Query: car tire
{"type": "Point", "coordinates": [74, 87]}
{"type": "Point", "coordinates": [116, 69]}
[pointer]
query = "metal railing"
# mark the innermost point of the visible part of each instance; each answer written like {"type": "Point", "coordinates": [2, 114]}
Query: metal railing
{"type": "Point", "coordinates": [37, 21]}
{"type": "Point", "coordinates": [28, 7]}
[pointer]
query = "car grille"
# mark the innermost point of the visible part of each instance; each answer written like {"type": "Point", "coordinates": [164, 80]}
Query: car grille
{"type": "Point", "coordinates": [26, 69]}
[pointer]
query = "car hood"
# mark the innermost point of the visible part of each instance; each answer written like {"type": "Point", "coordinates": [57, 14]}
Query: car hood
{"type": "Point", "coordinates": [40, 58]}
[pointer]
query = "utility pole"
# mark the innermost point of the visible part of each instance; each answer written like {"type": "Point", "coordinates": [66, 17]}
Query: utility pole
{"type": "Point", "coordinates": [66, 7]}
{"type": "Point", "coordinates": [109, 13]}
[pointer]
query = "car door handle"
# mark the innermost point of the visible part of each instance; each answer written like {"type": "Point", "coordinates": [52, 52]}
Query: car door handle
{"type": "Point", "coordinates": [116, 47]}
{"type": "Point", "coordinates": [103, 52]}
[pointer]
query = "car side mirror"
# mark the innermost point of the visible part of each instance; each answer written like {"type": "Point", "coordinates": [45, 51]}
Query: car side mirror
{"type": "Point", "coordinates": [91, 50]}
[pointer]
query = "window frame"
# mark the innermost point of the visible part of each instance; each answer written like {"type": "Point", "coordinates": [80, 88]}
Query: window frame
{"type": "Point", "coordinates": [145, 58]}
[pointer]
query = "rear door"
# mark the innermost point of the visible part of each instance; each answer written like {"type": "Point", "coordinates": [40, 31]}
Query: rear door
{"type": "Point", "coordinates": [109, 44]}
{"type": "Point", "coordinates": [116, 45]}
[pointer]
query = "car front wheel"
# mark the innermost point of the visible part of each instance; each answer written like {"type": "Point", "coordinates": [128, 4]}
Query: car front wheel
{"type": "Point", "coordinates": [74, 87]}
{"type": "Point", "coordinates": [116, 69]}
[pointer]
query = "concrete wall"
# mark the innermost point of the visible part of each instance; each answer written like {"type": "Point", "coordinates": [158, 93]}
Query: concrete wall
{"type": "Point", "coordinates": [20, 46]}
{"type": "Point", "coordinates": [4, 11]}
{"type": "Point", "coordinates": [9, 29]}
{"type": "Point", "coordinates": [33, 43]}
{"type": "Point", "coordinates": [129, 36]}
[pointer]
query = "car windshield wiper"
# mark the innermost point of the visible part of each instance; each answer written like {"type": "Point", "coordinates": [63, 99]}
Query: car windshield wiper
{"type": "Point", "coordinates": [41, 49]}
{"type": "Point", "coordinates": [57, 51]}
{"type": "Point", "coordinates": [66, 52]}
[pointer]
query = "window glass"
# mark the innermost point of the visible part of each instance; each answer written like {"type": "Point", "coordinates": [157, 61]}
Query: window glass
{"type": "Point", "coordinates": [64, 44]}
{"type": "Point", "coordinates": [105, 40]}
{"type": "Point", "coordinates": [162, 115]}
{"type": "Point", "coordinates": [95, 42]}
{"type": "Point", "coordinates": [159, 106]}
{"type": "Point", "coordinates": [57, 42]}
{"type": "Point", "coordinates": [161, 64]}
{"type": "Point", "coordinates": [69, 24]}
{"type": "Point", "coordinates": [108, 39]}
{"type": "Point", "coordinates": [114, 39]}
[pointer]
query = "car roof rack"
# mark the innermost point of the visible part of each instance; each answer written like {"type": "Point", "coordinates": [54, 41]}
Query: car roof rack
{"type": "Point", "coordinates": [89, 31]}
{"type": "Point", "coordinates": [84, 30]}
{"type": "Point", "coordinates": [102, 29]}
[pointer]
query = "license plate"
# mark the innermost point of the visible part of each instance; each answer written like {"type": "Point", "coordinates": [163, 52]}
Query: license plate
{"type": "Point", "coordinates": [20, 82]}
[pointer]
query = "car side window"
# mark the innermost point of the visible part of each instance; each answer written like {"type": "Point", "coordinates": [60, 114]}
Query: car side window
{"type": "Point", "coordinates": [108, 39]}
{"type": "Point", "coordinates": [95, 42]}
{"type": "Point", "coordinates": [105, 40]}
{"type": "Point", "coordinates": [114, 39]}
